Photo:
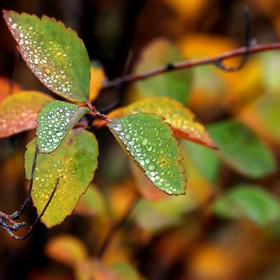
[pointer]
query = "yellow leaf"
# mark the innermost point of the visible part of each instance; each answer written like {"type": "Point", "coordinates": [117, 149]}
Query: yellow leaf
{"type": "Point", "coordinates": [189, 10]}
{"type": "Point", "coordinates": [66, 249]}
{"type": "Point", "coordinates": [96, 80]}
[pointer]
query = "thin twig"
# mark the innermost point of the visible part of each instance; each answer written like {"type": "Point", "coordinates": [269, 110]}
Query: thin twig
{"type": "Point", "coordinates": [188, 64]}
{"type": "Point", "coordinates": [17, 214]}
{"type": "Point", "coordinates": [41, 214]}
{"type": "Point", "coordinates": [220, 64]}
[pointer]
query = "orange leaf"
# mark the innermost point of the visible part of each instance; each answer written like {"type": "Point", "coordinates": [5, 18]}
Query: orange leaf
{"type": "Point", "coordinates": [179, 117]}
{"type": "Point", "coordinates": [18, 112]}
{"type": "Point", "coordinates": [96, 80]}
{"type": "Point", "coordinates": [66, 249]}
{"type": "Point", "coordinates": [7, 87]}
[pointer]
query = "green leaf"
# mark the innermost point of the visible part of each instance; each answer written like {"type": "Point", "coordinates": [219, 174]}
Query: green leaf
{"type": "Point", "coordinates": [53, 53]}
{"type": "Point", "coordinates": [175, 84]}
{"type": "Point", "coordinates": [164, 213]}
{"type": "Point", "coordinates": [150, 143]}
{"type": "Point", "coordinates": [242, 149]}
{"type": "Point", "coordinates": [74, 162]}
{"type": "Point", "coordinates": [18, 112]}
{"type": "Point", "coordinates": [55, 120]}
{"type": "Point", "coordinates": [248, 201]}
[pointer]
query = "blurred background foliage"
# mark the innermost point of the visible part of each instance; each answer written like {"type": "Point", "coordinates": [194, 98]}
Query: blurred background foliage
{"type": "Point", "coordinates": [227, 226]}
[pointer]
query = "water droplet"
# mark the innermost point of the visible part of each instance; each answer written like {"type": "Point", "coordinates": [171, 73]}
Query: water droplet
{"type": "Point", "coordinates": [151, 167]}
{"type": "Point", "coordinates": [145, 141]}
{"type": "Point", "coordinates": [47, 71]}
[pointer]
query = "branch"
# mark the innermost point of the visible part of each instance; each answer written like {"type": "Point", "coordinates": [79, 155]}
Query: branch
{"type": "Point", "coordinates": [215, 60]}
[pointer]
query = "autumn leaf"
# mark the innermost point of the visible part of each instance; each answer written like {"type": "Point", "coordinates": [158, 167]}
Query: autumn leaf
{"type": "Point", "coordinates": [8, 87]}
{"type": "Point", "coordinates": [66, 249]}
{"type": "Point", "coordinates": [18, 112]}
{"type": "Point", "coordinates": [96, 79]}
{"type": "Point", "coordinates": [74, 163]}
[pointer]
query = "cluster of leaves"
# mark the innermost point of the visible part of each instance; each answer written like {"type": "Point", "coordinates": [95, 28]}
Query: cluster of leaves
{"type": "Point", "coordinates": [144, 129]}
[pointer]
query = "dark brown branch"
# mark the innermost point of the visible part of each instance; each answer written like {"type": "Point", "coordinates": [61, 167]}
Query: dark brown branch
{"type": "Point", "coordinates": [188, 64]}
{"type": "Point", "coordinates": [40, 215]}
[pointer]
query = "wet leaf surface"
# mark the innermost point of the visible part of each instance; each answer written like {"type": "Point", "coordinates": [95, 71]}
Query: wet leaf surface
{"type": "Point", "coordinates": [55, 120]}
{"type": "Point", "coordinates": [74, 162]}
{"type": "Point", "coordinates": [18, 112]}
{"type": "Point", "coordinates": [54, 54]}
{"type": "Point", "coordinates": [150, 143]}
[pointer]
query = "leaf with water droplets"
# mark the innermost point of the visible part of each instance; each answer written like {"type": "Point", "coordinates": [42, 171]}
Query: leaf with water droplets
{"type": "Point", "coordinates": [19, 111]}
{"type": "Point", "coordinates": [55, 120]}
{"type": "Point", "coordinates": [179, 117]}
{"type": "Point", "coordinates": [150, 143]}
{"type": "Point", "coordinates": [53, 53]}
{"type": "Point", "coordinates": [74, 162]}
